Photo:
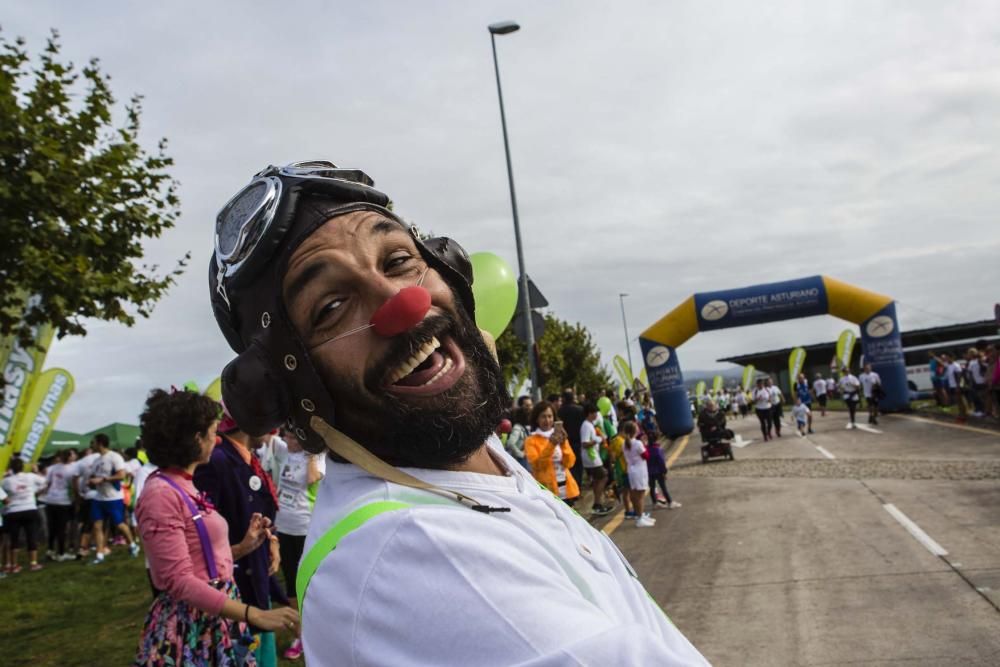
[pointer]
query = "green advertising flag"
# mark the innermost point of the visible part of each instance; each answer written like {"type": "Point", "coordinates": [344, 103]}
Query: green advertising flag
{"type": "Point", "coordinates": [621, 392]}
{"type": "Point", "coordinates": [796, 360]}
{"type": "Point", "coordinates": [214, 390]}
{"type": "Point", "coordinates": [748, 373]}
{"type": "Point", "coordinates": [624, 372]}
{"type": "Point", "coordinates": [845, 348]}
{"type": "Point", "coordinates": [717, 384]}
{"type": "Point", "coordinates": [699, 392]}
{"type": "Point", "coordinates": [48, 395]}
{"type": "Point", "coordinates": [20, 370]}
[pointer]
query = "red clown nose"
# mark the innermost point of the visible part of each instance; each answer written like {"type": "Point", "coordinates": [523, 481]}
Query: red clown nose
{"type": "Point", "coordinates": [402, 312]}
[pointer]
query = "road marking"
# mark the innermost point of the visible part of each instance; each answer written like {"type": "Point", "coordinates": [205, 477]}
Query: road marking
{"type": "Point", "coordinates": [915, 530]}
{"type": "Point", "coordinates": [963, 427]}
{"type": "Point", "coordinates": [825, 453]}
{"type": "Point", "coordinates": [616, 521]}
{"type": "Point", "coordinates": [866, 427]}
{"type": "Point", "coordinates": [677, 452]}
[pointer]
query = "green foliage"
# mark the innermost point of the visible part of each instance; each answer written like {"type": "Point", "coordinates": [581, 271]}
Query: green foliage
{"type": "Point", "coordinates": [569, 358]}
{"type": "Point", "coordinates": [78, 196]}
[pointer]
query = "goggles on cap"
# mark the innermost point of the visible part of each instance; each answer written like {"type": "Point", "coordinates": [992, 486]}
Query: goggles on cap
{"type": "Point", "coordinates": [247, 230]}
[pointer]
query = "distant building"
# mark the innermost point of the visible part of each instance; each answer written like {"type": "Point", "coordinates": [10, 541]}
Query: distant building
{"type": "Point", "coordinates": [120, 435]}
{"type": "Point", "coordinates": [953, 338]}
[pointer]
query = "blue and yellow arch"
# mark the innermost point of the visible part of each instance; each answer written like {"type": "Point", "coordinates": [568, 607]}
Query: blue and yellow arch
{"type": "Point", "coordinates": [771, 302]}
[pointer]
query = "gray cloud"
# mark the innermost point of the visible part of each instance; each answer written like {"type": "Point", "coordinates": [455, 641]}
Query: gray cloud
{"type": "Point", "coordinates": [659, 149]}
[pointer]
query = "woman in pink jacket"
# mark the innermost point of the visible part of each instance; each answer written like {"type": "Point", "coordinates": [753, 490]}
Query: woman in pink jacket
{"type": "Point", "coordinates": [197, 618]}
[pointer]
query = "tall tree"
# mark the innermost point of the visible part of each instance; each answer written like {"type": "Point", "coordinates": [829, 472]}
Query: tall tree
{"type": "Point", "coordinates": [569, 358]}
{"type": "Point", "coordinates": [78, 197]}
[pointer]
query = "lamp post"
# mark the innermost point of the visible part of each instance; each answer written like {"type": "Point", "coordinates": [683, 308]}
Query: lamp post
{"type": "Point", "coordinates": [505, 28]}
{"type": "Point", "coordinates": [628, 348]}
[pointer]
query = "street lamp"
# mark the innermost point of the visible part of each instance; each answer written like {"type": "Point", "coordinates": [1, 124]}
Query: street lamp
{"type": "Point", "coordinates": [505, 28]}
{"type": "Point", "coordinates": [628, 348]}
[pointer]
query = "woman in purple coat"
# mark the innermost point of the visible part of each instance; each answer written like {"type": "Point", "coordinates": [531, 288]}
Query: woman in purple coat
{"type": "Point", "coordinates": [239, 487]}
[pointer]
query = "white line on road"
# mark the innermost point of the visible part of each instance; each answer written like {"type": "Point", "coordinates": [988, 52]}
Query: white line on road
{"type": "Point", "coordinates": [866, 427]}
{"type": "Point", "coordinates": [822, 450]}
{"type": "Point", "coordinates": [915, 530]}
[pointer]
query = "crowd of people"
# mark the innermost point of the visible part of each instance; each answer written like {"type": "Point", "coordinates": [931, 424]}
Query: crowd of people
{"type": "Point", "coordinates": [218, 515]}
{"type": "Point", "coordinates": [571, 442]}
{"type": "Point", "coordinates": [766, 400]}
{"type": "Point", "coordinates": [970, 382]}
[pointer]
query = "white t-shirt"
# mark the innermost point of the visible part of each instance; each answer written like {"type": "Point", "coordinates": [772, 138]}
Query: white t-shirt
{"type": "Point", "coordinates": [762, 399]}
{"type": "Point", "coordinates": [486, 587]}
{"type": "Point", "coordinates": [800, 412]}
{"type": "Point", "coordinates": [819, 386]}
{"type": "Point", "coordinates": [140, 477]}
{"type": "Point", "coordinates": [976, 370]}
{"type": "Point", "coordinates": [591, 454]}
{"type": "Point", "coordinates": [295, 498]}
{"type": "Point", "coordinates": [21, 489]}
{"type": "Point", "coordinates": [83, 470]}
{"type": "Point", "coordinates": [107, 465]}
{"type": "Point", "coordinates": [633, 455]}
{"type": "Point", "coordinates": [869, 380]}
{"type": "Point", "coordinates": [952, 373]}
{"type": "Point", "coordinates": [776, 395]}
{"type": "Point", "coordinates": [849, 385]}
{"type": "Point", "coordinates": [59, 477]}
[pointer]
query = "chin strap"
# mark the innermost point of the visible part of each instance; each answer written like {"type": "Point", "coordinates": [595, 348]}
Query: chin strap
{"type": "Point", "coordinates": [350, 450]}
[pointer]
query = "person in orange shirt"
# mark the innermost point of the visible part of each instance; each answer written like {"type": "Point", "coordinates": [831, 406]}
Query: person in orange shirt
{"type": "Point", "coordinates": [547, 450]}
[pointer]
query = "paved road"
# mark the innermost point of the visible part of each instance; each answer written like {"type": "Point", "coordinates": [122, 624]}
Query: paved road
{"type": "Point", "coordinates": [789, 557]}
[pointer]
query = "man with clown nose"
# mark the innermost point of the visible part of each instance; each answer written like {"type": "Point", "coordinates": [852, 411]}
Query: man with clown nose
{"type": "Point", "coordinates": [428, 544]}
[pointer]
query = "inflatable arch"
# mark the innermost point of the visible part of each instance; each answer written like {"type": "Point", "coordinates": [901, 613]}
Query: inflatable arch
{"type": "Point", "coordinates": [816, 295]}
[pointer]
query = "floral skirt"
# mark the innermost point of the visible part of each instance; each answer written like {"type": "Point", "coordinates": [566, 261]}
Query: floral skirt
{"type": "Point", "coordinates": [181, 635]}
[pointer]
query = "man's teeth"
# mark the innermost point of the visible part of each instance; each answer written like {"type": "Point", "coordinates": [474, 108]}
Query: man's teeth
{"type": "Point", "coordinates": [444, 369]}
{"type": "Point", "coordinates": [419, 357]}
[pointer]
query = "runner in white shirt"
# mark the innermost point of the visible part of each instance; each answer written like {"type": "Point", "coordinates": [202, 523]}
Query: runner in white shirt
{"type": "Point", "coordinates": [85, 496]}
{"type": "Point", "coordinates": [871, 386]}
{"type": "Point", "coordinates": [431, 547]}
{"type": "Point", "coordinates": [820, 391]}
{"type": "Point", "coordinates": [59, 505]}
{"type": "Point", "coordinates": [635, 455]}
{"type": "Point", "coordinates": [106, 476]}
{"type": "Point", "coordinates": [850, 389]}
{"type": "Point", "coordinates": [762, 406]}
{"type": "Point", "coordinates": [777, 401]}
{"type": "Point", "coordinates": [590, 452]}
{"type": "Point", "coordinates": [800, 411]}
{"type": "Point", "coordinates": [21, 513]}
{"type": "Point", "coordinates": [299, 474]}
{"type": "Point", "coordinates": [831, 385]}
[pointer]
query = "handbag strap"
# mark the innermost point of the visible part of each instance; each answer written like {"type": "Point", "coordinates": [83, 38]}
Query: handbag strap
{"type": "Point", "coordinates": [199, 524]}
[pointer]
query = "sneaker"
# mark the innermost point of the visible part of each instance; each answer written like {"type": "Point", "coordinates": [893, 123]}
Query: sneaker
{"type": "Point", "coordinates": [801, 434]}
{"type": "Point", "coordinates": [293, 652]}
{"type": "Point", "coordinates": [674, 505]}
{"type": "Point", "coordinates": [14, 569]}
{"type": "Point", "coordinates": [50, 555]}
{"type": "Point", "coordinates": [647, 515]}
{"type": "Point", "coordinates": [644, 522]}
{"type": "Point", "coordinates": [99, 560]}
{"type": "Point", "coordinates": [3, 573]}
{"type": "Point", "coordinates": [661, 503]}
{"type": "Point", "coordinates": [810, 431]}
{"type": "Point", "coordinates": [66, 557]}
{"type": "Point", "coordinates": [35, 567]}
{"type": "Point", "coordinates": [133, 549]}
{"type": "Point", "coordinates": [630, 515]}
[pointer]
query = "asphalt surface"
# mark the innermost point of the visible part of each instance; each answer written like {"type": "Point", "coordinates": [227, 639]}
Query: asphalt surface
{"type": "Point", "coordinates": [787, 556]}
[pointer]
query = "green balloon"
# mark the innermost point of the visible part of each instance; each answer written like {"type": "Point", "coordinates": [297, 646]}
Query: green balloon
{"type": "Point", "coordinates": [494, 286]}
{"type": "Point", "coordinates": [191, 385]}
{"type": "Point", "coordinates": [604, 405]}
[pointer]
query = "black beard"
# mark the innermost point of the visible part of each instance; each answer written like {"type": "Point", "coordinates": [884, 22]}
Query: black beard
{"type": "Point", "coordinates": [444, 430]}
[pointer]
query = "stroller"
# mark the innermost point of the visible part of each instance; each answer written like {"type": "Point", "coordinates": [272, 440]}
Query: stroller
{"type": "Point", "coordinates": [715, 435]}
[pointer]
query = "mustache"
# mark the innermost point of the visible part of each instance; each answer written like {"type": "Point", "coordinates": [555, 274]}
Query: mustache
{"type": "Point", "coordinates": [406, 344]}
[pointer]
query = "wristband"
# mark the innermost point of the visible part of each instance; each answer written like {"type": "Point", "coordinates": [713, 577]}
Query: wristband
{"type": "Point", "coordinates": [246, 615]}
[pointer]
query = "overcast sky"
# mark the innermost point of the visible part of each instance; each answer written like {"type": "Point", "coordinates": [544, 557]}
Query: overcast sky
{"type": "Point", "coordinates": [659, 149]}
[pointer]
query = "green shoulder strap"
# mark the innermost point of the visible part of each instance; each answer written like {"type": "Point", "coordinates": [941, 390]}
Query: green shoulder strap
{"type": "Point", "coordinates": [329, 541]}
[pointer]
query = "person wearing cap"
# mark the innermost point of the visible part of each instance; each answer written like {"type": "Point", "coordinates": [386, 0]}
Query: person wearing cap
{"type": "Point", "coordinates": [428, 545]}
